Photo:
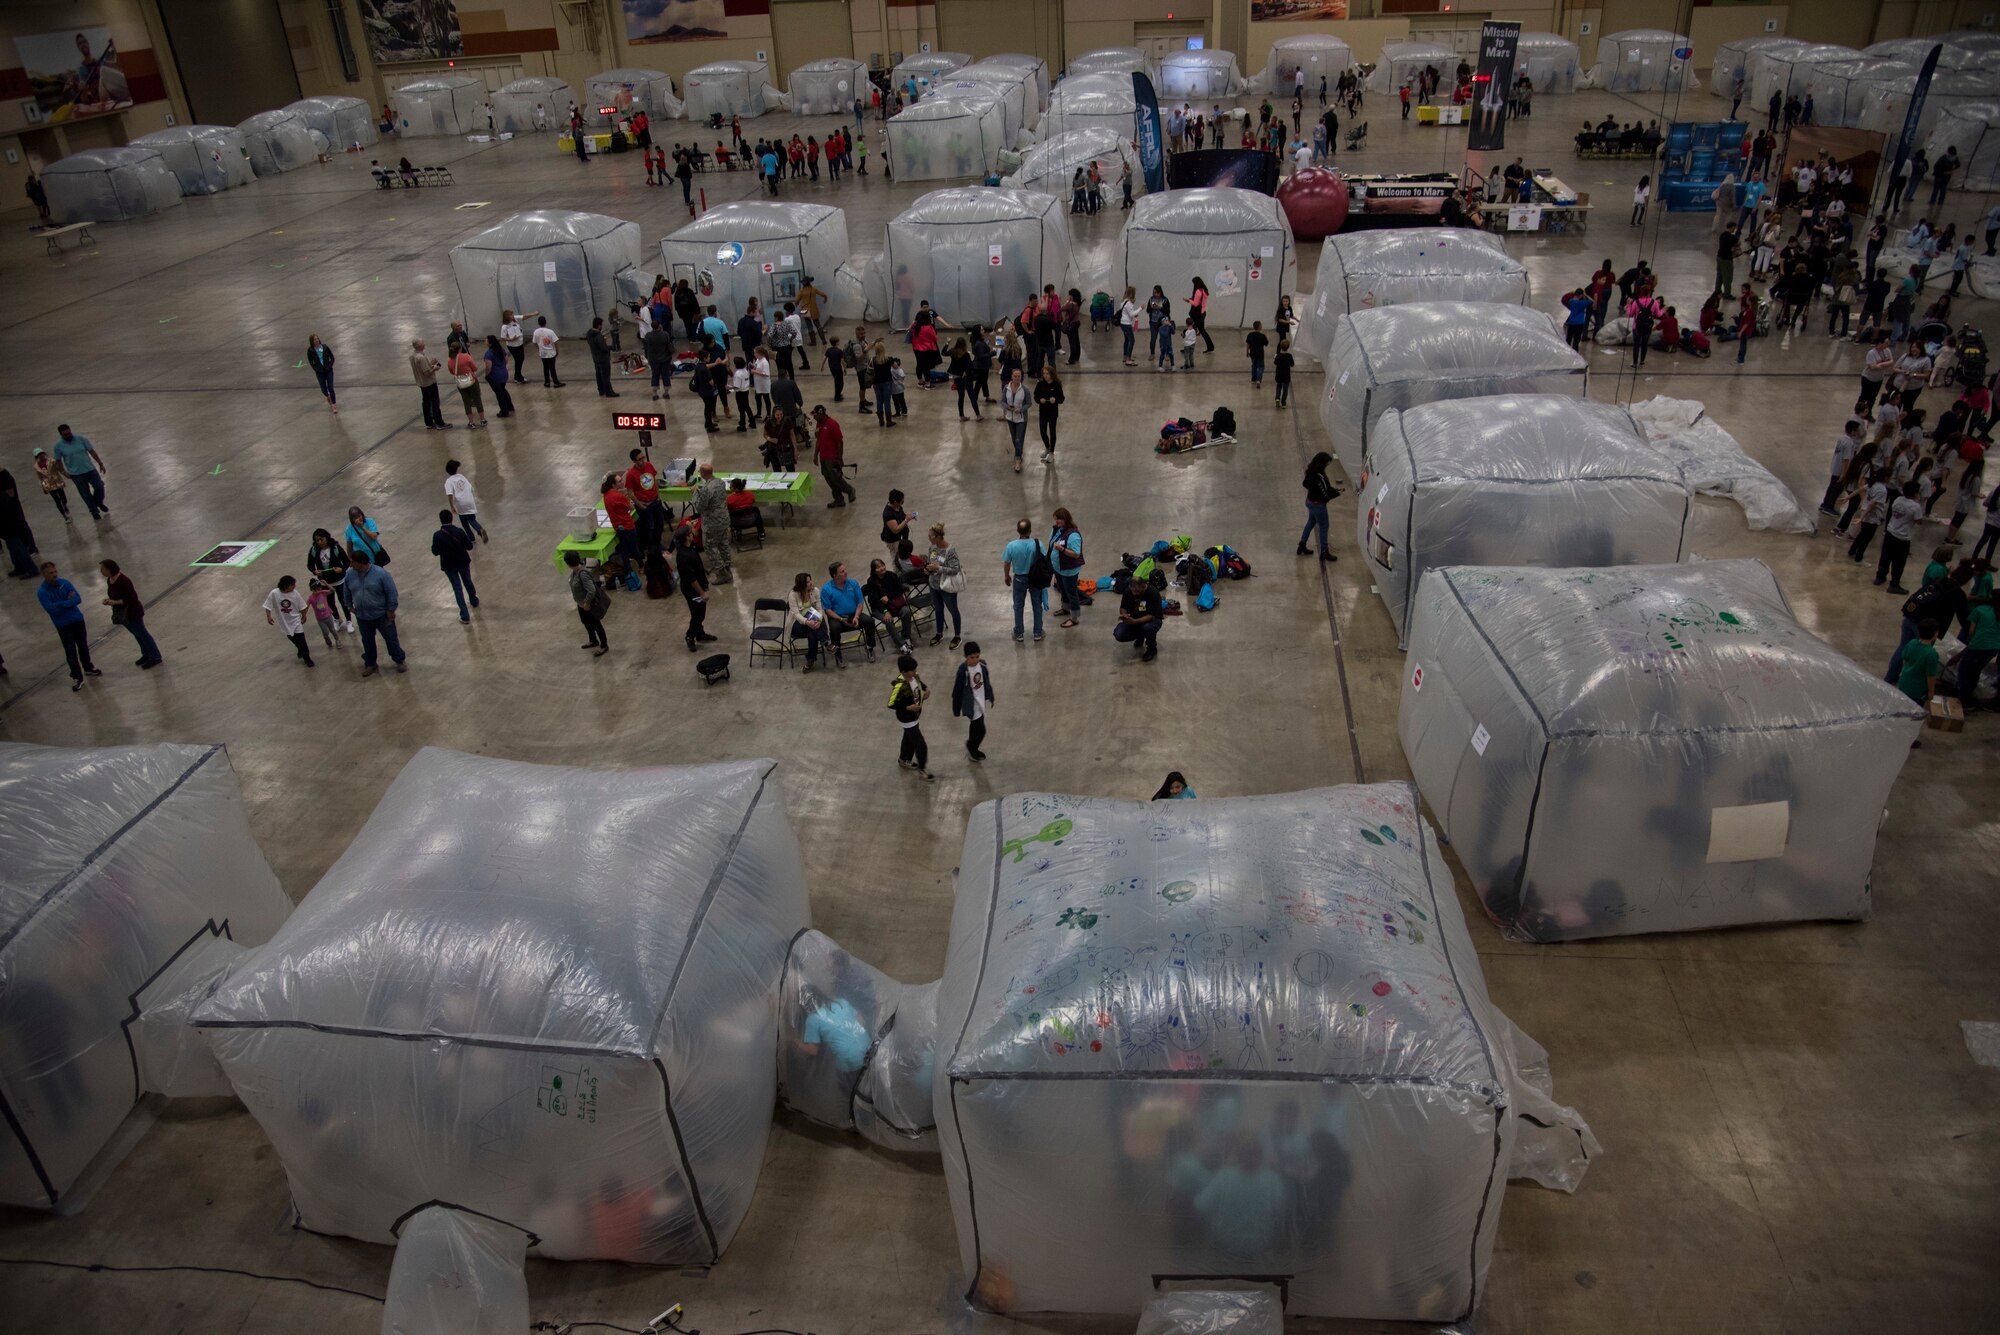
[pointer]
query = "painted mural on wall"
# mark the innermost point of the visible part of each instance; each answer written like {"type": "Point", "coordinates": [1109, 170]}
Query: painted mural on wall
{"type": "Point", "coordinates": [400, 30]}
{"type": "Point", "coordinates": [1267, 11]}
{"type": "Point", "coordinates": [74, 73]}
{"type": "Point", "coordinates": [673, 21]}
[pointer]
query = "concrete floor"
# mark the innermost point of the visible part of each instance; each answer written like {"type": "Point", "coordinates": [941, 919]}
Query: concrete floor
{"type": "Point", "coordinates": [1796, 1137]}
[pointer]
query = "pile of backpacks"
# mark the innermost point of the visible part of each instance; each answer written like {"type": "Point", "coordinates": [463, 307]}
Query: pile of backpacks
{"type": "Point", "coordinates": [1185, 433]}
{"type": "Point", "coordinates": [1196, 573]}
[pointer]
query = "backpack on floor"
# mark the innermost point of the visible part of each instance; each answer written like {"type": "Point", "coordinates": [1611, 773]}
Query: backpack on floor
{"type": "Point", "coordinates": [1222, 422]}
{"type": "Point", "coordinates": [1205, 600]}
{"type": "Point", "coordinates": [1229, 563]}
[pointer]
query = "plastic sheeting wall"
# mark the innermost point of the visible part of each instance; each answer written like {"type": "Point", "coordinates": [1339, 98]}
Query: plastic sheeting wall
{"type": "Point", "coordinates": [1841, 88]}
{"type": "Point", "coordinates": [856, 1049]}
{"type": "Point", "coordinates": [110, 185]}
{"type": "Point", "coordinates": [944, 137]}
{"type": "Point", "coordinates": [1016, 86]}
{"type": "Point", "coordinates": [1238, 1037]}
{"type": "Point", "coordinates": [725, 88]}
{"type": "Point", "coordinates": [563, 265]}
{"type": "Point", "coordinates": [1788, 71]}
{"type": "Point", "coordinates": [1402, 62]}
{"type": "Point", "coordinates": [1884, 106]}
{"type": "Point", "coordinates": [514, 106]}
{"type": "Point", "coordinates": [1423, 352]}
{"type": "Point", "coordinates": [942, 249]}
{"type": "Point", "coordinates": [1973, 128]}
{"type": "Point", "coordinates": [1914, 51]}
{"type": "Point", "coordinates": [1107, 60]}
{"type": "Point", "coordinates": [923, 68]}
{"type": "Point", "coordinates": [828, 87]}
{"type": "Point", "coordinates": [1092, 101]}
{"type": "Point", "coordinates": [1732, 61]}
{"type": "Point", "coordinates": [1238, 242]}
{"type": "Point", "coordinates": [1188, 74]}
{"type": "Point", "coordinates": [547, 995]}
{"type": "Point", "coordinates": [446, 105]}
{"type": "Point", "coordinates": [1641, 60]}
{"type": "Point", "coordinates": [1515, 480]}
{"type": "Point", "coordinates": [457, 1273]}
{"type": "Point", "coordinates": [626, 91]}
{"type": "Point", "coordinates": [1646, 748]}
{"type": "Point", "coordinates": [1365, 270]}
{"type": "Point", "coordinates": [1050, 167]}
{"type": "Point", "coordinates": [346, 122]}
{"type": "Point", "coordinates": [1550, 61]}
{"type": "Point", "coordinates": [1317, 54]}
{"type": "Point", "coordinates": [1032, 65]}
{"type": "Point", "coordinates": [723, 253]}
{"type": "Point", "coordinates": [204, 159]}
{"type": "Point", "coordinates": [113, 861]}
{"type": "Point", "coordinates": [278, 141]}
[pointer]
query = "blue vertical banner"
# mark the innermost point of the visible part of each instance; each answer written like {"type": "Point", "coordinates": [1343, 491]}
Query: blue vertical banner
{"type": "Point", "coordinates": [1907, 141]}
{"type": "Point", "coordinates": [1146, 112]}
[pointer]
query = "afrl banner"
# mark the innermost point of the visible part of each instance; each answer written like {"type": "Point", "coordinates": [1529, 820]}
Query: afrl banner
{"type": "Point", "coordinates": [1497, 45]}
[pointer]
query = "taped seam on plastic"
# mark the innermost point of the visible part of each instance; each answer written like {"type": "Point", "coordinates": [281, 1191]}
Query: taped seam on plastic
{"type": "Point", "coordinates": [28, 1148]}
{"type": "Point", "coordinates": [1505, 481]}
{"type": "Point", "coordinates": [1528, 828]}
{"type": "Point", "coordinates": [867, 1060]}
{"type": "Point", "coordinates": [15, 928]}
{"type": "Point", "coordinates": [687, 1165]}
{"type": "Point", "coordinates": [1494, 1095]}
{"type": "Point", "coordinates": [396, 1229]}
{"type": "Point", "coordinates": [355, 1031]}
{"type": "Point", "coordinates": [1810, 725]}
{"type": "Point", "coordinates": [978, 983]}
{"type": "Point", "coordinates": [211, 929]}
{"type": "Point", "coordinates": [1499, 658]}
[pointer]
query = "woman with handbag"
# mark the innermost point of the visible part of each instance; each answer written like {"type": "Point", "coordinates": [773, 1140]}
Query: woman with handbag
{"type": "Point", "coordinates": [592, 602]}
{"type": "Point", "coordinates": [1066, 553]}
{"type": "Point", "coordinates": [465, 373]}
{"type": "Point", "coordinates": [364, 532]}
{"type": "Point", "coordinates": [947, 581]}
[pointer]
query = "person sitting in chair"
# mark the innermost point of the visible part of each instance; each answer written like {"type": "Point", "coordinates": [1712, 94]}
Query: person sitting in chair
{"type": "Point", "coordinates": [406, 171]}
{"type": "Point", "coordinates": [742, 505]}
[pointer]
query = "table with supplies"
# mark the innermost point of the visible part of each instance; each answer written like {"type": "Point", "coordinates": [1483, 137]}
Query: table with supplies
{"type": "Point", "coordinates": [787, 489]}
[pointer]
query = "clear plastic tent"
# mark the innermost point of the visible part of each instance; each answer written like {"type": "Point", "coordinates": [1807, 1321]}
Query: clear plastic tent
{"type": "Point", "coordinates": [856, 1049]}
{"type": "Point", "coordinates": [1513, 479]}
{"type": "Point", "coordinates": [1318, 55]}
{"type": "Point", "coordinates": [1681, 431]}
{"type": "Point", "coordinates": [1007, 89]}
{"type": "Point", "coordinates": [627, 90]}
{"type": "Point", "coordinates": [725, 88]}
{"type": "Point", "coordinates": [1364, 270]}
{"type": "Point", "coordinates": [547, 995]}
{"type": "Point", "coordinates": [1915, 50]}
{"type": "Point", "coordinates": [1257, 1035]}
{"type": "Point", "coordinates": [1732, 62]}
{"type": "Point", "coordinates": [1034, 65]}
{"type": "Point", "coordinates": [724, 252]}
{"type": "Point", "coordinates": [1238, 242]}
{"type": "Point", "coordinates": [110, 185]}
{"type": "Point", "coordinates": [924, 67]}
{"type": "Point", "coordinates": [1789, 72]}
{"type": "Point", "coordinates": [942, 137]}
{"type": "Point", "coordinates": [278, 141]}
{"type": "Point", "coordinates": [1015, 84]}
{"type": "Point", "coordinates": [457, 1273]}
{"type": "Point", "coordinates": [974, 253]}
{"type": "Point", "coordinates": [347, 122]}
{"type": "Point", "coordinates": [828, 87]}
{"type": "Point", "coordinates": [1402, 62]}
{"type": "Point", "coordinates": [1108, 60]}
{"type": "Point", "coordinates": [1425, 351]}
{"type": "Point", "coordinates": [1973, 128]}
{"type": "Point", "coordinates": [1840, 88]}
{"type": "Point", "coordinates": [444, 104]}
{"type": "Point", "coordinates": [1093, 101]}
{"type": "Point", "coordinates": [530, 106]}
{"type": "Point", "coordinates": [205, 159]}
{"type": "Point", "coordinates": [1550, 60]}
{"type": "Point", "coordinates": [1051, 165]}
{"type": "Point", "coordinates": [564, 265]}
{"type": "Point", "coordinates": [1190, 74]}
{"type": "Point", "coordinates": [1646, 748]}
{"type": "Point", "coordinates": [113, 861]}
{"type": "Point", "coordinates": [1885, 106]}
{"type": "Point", "coordinates": [1642, 60]}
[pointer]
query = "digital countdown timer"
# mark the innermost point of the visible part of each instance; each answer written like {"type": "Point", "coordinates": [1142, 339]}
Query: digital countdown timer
{"type": "Point", "coordinates": [639, 421]}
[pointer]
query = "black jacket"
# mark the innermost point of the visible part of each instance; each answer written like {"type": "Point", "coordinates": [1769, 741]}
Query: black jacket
{"type": "Point", "coordinates": [452, 546]}
{"type": "Point", "coordinates": [961, 690]}
{"type": "Point", "coordinates": [659, 345]}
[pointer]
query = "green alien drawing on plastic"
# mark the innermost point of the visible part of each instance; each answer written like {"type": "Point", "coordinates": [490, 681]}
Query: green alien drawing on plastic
{"type": "Point", "coordinates": [1052, 833]}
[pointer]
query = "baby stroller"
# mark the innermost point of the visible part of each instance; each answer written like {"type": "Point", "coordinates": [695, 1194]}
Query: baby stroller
{"type": "Point", "coordinates": [1972, 363]}
{"type": "Point", "coordinates": [1101, 313]}
{"type": "Point", "coordinates": [1357, 136]}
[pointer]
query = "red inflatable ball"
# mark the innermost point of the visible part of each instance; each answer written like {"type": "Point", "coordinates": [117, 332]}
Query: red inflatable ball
{"type": "Point", "coordinates": [1315, 202]}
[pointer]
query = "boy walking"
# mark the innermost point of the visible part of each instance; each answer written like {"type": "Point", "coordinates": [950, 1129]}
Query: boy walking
{"type": "Point", "coordinates": [1281, 373]}
{"type": "Point", "coordinates": [285, 609]}
{"type": "Point", "coordinates": [1254, 344]}
{"type": "Point", "coordinates": [971, 692]}
{"type": "Point", "coordinates": [906, 697]}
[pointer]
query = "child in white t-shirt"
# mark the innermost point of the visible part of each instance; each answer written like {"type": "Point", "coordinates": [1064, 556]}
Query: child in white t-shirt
{"type": "Point", "coordinates": [284, 607]}
{"type": "Point", "coordinates": [1188, 336]}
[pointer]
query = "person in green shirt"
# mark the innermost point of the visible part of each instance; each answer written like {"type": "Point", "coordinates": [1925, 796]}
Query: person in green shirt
{"type": "Point", "coordinates": [1921, 665]}
{"type": "Point", "coordinates": [1981, 647]}
{"type": "Point", "coordinates": [1938, 568]}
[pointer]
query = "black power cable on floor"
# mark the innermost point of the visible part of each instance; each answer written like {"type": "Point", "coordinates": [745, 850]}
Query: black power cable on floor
{"type": "Point", "coordinates": [105, 1268]}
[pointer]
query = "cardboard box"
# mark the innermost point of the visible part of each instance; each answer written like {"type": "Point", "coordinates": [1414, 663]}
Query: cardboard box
{"type": "Point", "coordinates": [1947, 715]}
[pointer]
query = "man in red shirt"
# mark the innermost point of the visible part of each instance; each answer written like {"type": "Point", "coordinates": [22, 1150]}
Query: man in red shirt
{"type": "Point", "coordinates": [642, 483]}
{"type": "Point", "coordinates": [618, 509]}
{"type": "Point", "coordinates": [828, 447]}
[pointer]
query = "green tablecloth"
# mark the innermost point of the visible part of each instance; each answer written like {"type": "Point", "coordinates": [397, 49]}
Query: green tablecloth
{"type": "Point", "coordinates": [786, 488]}
{"type": "Point", "coordinates": [600, 546]}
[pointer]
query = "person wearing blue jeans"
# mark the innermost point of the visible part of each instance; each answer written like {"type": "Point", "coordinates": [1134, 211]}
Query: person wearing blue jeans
{"type": "Point", "coordinates": [122, 597]}
{"type": "Point", "coordinates": [1165, 330]}
{"type": "Point", "coordinates": [1018, 559]}
{"type": "Point", "coordinates": [64, 605]}
{"type": "Point", "coordinates": [1320, 492]}
{"type": "Point", "coordinates": [372, 594]}
{"type": "Point", "coordinates": [452, 546]}
{"type": "Point", "coordinates": [85, 467]}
